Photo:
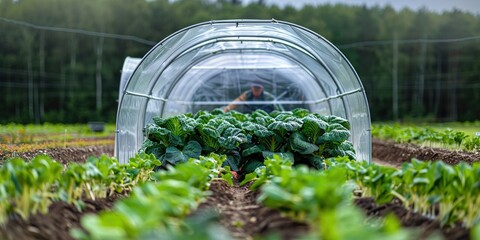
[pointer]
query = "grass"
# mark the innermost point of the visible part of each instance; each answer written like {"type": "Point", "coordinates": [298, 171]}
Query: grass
{"type": "Point", "coordinates": [470, 128]}
{"type": "Point", "coordinates": [31, 133]}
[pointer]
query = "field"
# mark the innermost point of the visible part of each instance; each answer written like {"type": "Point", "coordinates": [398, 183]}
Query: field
{"type": "Point", "coordinates": [61, 142]}
{"type": "Point", "coordinates": [248, 209]}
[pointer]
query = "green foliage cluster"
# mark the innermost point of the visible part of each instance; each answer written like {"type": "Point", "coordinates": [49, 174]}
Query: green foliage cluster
{"type": "Point", "coordinates": [427, 136]}
{"type": "Point", "coordinates": [247, 139]}
{"type": "Point", "coordinates": [28, 188]}
{"type": "Point", "coordinates": [50, 76]}
{"type": "Point", "coordinates": [320, 198]}
{"type": "Point", "coordinates": [157, 208]}
{"type": "Point", "coordinates": [449, 194]}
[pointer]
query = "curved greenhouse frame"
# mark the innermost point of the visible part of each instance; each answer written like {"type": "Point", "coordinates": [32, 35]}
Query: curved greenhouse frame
{"type": "Point", "coordinates": [207, 65]}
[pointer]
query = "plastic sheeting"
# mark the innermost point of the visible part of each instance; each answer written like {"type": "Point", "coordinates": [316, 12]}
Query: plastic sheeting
{"type": "Point", "coordinates": [208, 65]}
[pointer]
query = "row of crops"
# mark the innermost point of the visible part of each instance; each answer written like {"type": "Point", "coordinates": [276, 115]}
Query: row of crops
{"type": "Point", "coordinates": [161, 200]}
{"type": "Point", "coordinates": [35, 133]}
{"type": "Point", "coordinates": [16, 139]}
{"type": "Point", "coordinates": [322, 199]}
{"type": "Point", "coordinates": [427, 136]}
{"type": "Point", "coordinates": [28, 188]}
{"type": "Point", "coordinates": [301, 163]}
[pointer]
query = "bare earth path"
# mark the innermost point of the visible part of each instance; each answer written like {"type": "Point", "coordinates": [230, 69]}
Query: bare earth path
{"type": "Point", "coordinates": [244, 217]}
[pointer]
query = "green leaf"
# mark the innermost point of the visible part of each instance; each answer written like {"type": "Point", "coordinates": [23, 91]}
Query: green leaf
{"type": "Point", "coordinates": [193, 149]}
{"type": "Point", "coordinates": [91, 171]}
{"type": "Point", "coordinates": [174, 156]}
{"type": "Point", "coordinates": [251, 165]}
{"type": "Point", "coordinates": [157, 134]}
{"type": "Point", "coordinates": [263, 133]}
{"type": "Point", "coordinates": [289, 124]}
{"type": "Point", "coordinates": [476, 231]}
{"type": "Point", "coordinates": [228, 177]}
{"type": "Point", "coordinates": [275, 196]}
{"type": "Point", "coordinates": [316, 161]}
{"type": "Point", "coordinates": [333, 136]}
{"type": "Point", "coordinates": [299, 143]}
{"type": "Point", "coordinates": [421, 181]}
{"type": "Point", "coordinates": [259, 113]}
{"type": "Point", "coordinates": [232, 137]}
{"type": "Point", "coordinates": [233, 161]}
{"type": "Point", "coordinates": [110, 226]}
{"type": "Point", "coordinates": [251, 150]}
{"type": "Point", "coordinates": [217, 111]}
{"type": "Point", "coordinates": [313, 127]}
{"type": "Point", "coordinates": [249, 177]}
{"type": "Point", "coordinates": [208, 137]}
{"type": "Point", "coordinates": [285, 156]}
{"type": "Point", "coordinates": [332, 119]}
{"type": "Point", "coordinates": [300, 112]}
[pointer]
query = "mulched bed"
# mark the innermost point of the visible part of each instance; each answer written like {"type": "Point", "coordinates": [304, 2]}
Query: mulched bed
{"type": "Point", "coordinates": [239, 212]}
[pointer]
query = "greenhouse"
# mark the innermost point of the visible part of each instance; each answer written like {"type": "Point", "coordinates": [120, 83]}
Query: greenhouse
{"type": "Point", "coordinates": [208, 65]}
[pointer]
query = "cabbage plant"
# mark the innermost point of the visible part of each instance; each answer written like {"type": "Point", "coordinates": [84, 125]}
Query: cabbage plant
{"type": "Point", "coordinates": [248, 138]}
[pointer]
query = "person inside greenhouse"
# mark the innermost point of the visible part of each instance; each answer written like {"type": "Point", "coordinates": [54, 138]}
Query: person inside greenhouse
{"type": "Point", "coordinates": [254, 94]}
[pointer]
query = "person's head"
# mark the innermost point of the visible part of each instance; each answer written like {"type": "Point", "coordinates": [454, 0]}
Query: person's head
{"type": "Point", "coordinates": [257, 88]}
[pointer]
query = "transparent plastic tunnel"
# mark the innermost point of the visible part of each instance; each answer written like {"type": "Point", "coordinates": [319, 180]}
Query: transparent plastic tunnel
{"type": "Point", "coordinates": [207, 65]}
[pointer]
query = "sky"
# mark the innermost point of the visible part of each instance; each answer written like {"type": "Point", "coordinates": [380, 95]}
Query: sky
{"type": "Point", "coordinates": [439, 6]}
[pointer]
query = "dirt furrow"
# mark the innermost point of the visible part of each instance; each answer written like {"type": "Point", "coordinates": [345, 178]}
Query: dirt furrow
{"type": "Point", "coordinates": [244, 217]}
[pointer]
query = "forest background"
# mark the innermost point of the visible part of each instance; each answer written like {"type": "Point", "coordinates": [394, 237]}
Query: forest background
{"type": "Point", "coordinates": [61, 60]}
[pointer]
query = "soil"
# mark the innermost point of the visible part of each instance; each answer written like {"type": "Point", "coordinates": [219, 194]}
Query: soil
{"type": "Point", "coordinates": [395, 154]}
{"type": "Point", "coordinates": [56, 224]}
{"type": "Point", "coordinates": [425, 226]}
{"type": "Point", "coordinates": [244, 217]}
{"type": "Point", "coordinates": [67, 154]}
{"type": "Point", "coordinates": [239, 212]}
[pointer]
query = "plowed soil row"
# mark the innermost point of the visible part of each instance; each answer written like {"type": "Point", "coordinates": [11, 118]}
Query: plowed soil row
{"type": "Point", "coordinates": [56, 224]}
{"type": "Point", "coordinates": [68, 154]}
{"type": "Point", "coordinates": [244, 217]}
{"type": "Point", "coordinates": [425, 226]}
{"type": "Point", "coordinates": [396, 154]}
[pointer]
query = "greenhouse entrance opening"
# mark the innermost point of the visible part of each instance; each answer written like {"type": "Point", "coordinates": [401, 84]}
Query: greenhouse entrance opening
{"type": "Point", "coordinates": [209, 65]}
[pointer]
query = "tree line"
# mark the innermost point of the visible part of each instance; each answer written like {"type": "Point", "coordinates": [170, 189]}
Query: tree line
{"type": "Point", "coordinates": [61, 59]}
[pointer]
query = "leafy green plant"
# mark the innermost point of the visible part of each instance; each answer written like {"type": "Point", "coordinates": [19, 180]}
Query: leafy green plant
{"type": "Point", "coordinates": [176, 139]}
{"type": "Point", "coordinates": [29, 185]}
{"type": "Point", "coordinates": [156, 206]}
{"type": "Point", "coordinates": [433, 189]}
{"type": "Point", "coordinates": [472, 144]}
{"type": "Point", "coordinates": [169, 139]}
{"type": "Point", "coordinates": [247, 139]}
{"type": "Point", "coordinates": [447, 138]}
{"type": "Point", "coordinates": [322, 199]}
{"type": "Point", "coordinates": [373, 180]}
